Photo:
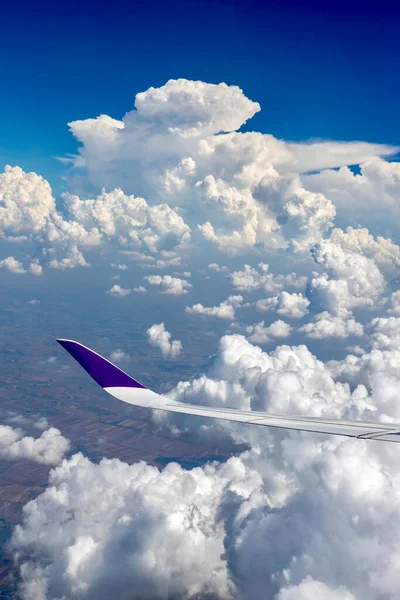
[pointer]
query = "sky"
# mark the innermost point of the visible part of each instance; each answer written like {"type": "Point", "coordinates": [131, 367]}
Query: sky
{"type": "Point", "coordinates": [318, 69]}
{"type": "Point", "coordinates": [208, 195]}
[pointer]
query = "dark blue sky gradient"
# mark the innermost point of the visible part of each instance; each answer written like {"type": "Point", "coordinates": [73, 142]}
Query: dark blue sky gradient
{"type": "Point", "coordinates": [319, 70]}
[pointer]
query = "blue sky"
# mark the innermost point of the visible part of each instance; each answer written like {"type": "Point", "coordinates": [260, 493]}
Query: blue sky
{"type": "Point", "coordinates": [319, 70]}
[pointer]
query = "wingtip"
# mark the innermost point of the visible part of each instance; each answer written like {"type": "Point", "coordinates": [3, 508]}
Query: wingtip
{"type": "Point", "coordinates": [104, 372]}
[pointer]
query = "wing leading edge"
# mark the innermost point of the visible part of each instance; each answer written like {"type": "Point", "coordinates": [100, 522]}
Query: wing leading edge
{"type": "Point", "coordinates": [123, 387]}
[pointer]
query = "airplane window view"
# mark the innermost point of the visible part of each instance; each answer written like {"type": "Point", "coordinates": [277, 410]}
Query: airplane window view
{"type": "Point", "coordinates": [200, 300]}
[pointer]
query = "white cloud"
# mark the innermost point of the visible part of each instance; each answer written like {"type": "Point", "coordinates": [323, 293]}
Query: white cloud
{"type": "Point", "coordinates": [251, 279]}
{"type": "Point", "coordinates": [225, 310]}
{"type": "Point", "coordinates": [173, 286]}
{"type": "Point", "coordinates": [140, 289]}
{"type": "Point", "coordinates": [35, 268]}
{"type": "Point", "coordinates": [294, 306]}
{"type": "Point", "coordinates": [128, 220]}
{"type": "Point", "coordinates": [310, 589]}
{"type": "Point", "coordinates": [315, 156]}
{"type": "Point", "coordinates": [208, 531]}
{"type": "Point", "coordinates": [117, 290]}
{"type": "Point", "coordinates": [74, 259]}
{"type": "Point", "coordinates": [325, 325]}
{"type": "Point", "coordinates": [159, 337]}
{"type": "Point", "coordinates": [370, 198]}
{"type": "Point", "coordinates": [118, 356]}
{"type": "Point", "coordinates": [260, 334]}
{"type": "Point", "coordinates": [357, 266]}
{"type": "Point", "coordinates": [130, 530]}
{"type": "Point", "coordinates": [217, 268]}
{"type": "Point", "coordinates": [119, 266]}
{"type": "Point", "coordinates": [394, 304]}
{"type": "Point", "coordinates": [385, 333]}
{"type": "Point", "coordinates": [13, 265]}
{"type": "Point", "coordinates": [28, 212]}
{"type": "Point", "coordinates": [238, 189]}
{"type": "Point", "coordinates": [26, 203]}
{"type": "Point", "coordinates": [48, 449]}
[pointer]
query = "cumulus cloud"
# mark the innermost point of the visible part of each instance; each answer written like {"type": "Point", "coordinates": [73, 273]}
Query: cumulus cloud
{"type": "Point", "coordinates": [225, 310]}
{"type": "Point", "coordinates": [357, 268]}
{"type": "Point", "coordinates": [309, 589]}
{"type": "Point", "coordinates": [294, 306]}
{"type": "Point", "coordinates": [118, 356]}
{"type": "Point", "coordinates": [251, 279]}
{"type": "Point", "coordinates": [159, 337]}
{"type": "Point", "coordinates": [217, 268]}
{"type": "Point", "coordinates": [231, 530]}
{"type": "Point", "coordinates": [128, 532]}
{"type": "Point", "coordinates": [183, 168]}
{"type": "Point", "coordinates": [239, 190]}
{"type": "Point", "coordinates": [118, 291]}
{"type": "Point", "coordinates": [370, 197]}
{"type": "Point", "coordinates": [394, 304]}
{"type": "Point", "coordinates": [13, 265]}
{"type": "Point", "coordinates": [140, 289]}
{"type": "Point", "coordinates": [325, 325]}
{"type": "Point", "coordinates": [48, 449]}
{"type": "Point", "coordinates": [173, 286]}
{"type": "Point", "coordinates": [385, 332]}
{"type": "Point", "coordinates": [261, 334]}
{"type": "Point", "coordinates": [28, 212]}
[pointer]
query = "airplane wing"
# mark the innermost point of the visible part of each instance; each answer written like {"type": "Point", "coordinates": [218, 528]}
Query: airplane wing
{"type": "Point", "coordinates": [123, 387]}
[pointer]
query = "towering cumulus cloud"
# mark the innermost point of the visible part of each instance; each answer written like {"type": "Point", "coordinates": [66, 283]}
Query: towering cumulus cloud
{"type": "Point", "coordinates": [239, 189]}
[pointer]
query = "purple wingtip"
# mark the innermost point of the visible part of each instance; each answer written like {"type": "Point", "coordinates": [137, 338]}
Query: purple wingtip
{"type": "Point", "coordinates": [102, 370]}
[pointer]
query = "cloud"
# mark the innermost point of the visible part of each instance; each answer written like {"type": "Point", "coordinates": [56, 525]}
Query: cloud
{"type": "Point", "coordinates": [28, 213]}
{"type": "Point", "coordinates": [225, 310]}
{"type": "Point", "coordinates": [357, 267]}
{"type": "Point", "coordinates": [217, 268]}
{"type": "Point", "coordinates": [35, 268]}
{"type": "Point", "coordinates": [251, 279]}
{"type": "Point", "coordinates": [309, 589]}
{"type": "Point", "coordinates": [13, 265]}
{"type": "Point", "coordinates": [294, 306]}
{"type": "Point", "coordinates": [26, 204]}
{"type": "Point", "coordinates": [394, 304]}
{"type": "Point", "coordinates": [326, 325]}
{"type": "Point", "coordinates": [128, 220]}
{"type": "Point", "coordinates": [118, 356]}
{"type": "Point", "coordinates": [118, 291]}
{"type": "Point", "coordinates": [260, 334]}
{"type": "Point", "coordinates": [127, 532]}
{"type": "Point", "coordinates": [176, 168]}
{"type": "Point", "coordinates": [385, 332]}
{"type": "Point", "coordinates": [119, 266]}
{"type": "Point", "coordinates": [173, 286]}
{"type": "Point", "coordinates": [370, 197]}
{"type": "Point", "coordinates": [239, 190]}
{"type": "Point", "coordinates": [48, 449]}
{"type": "Point", "coordinates": [320, 156]}
{"type": "Point", "coordinates": [140, 289]}
{"type": "Point", "coordinates": [231, 530]}
{"type": "Point", "coordinates": [159, 337]}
